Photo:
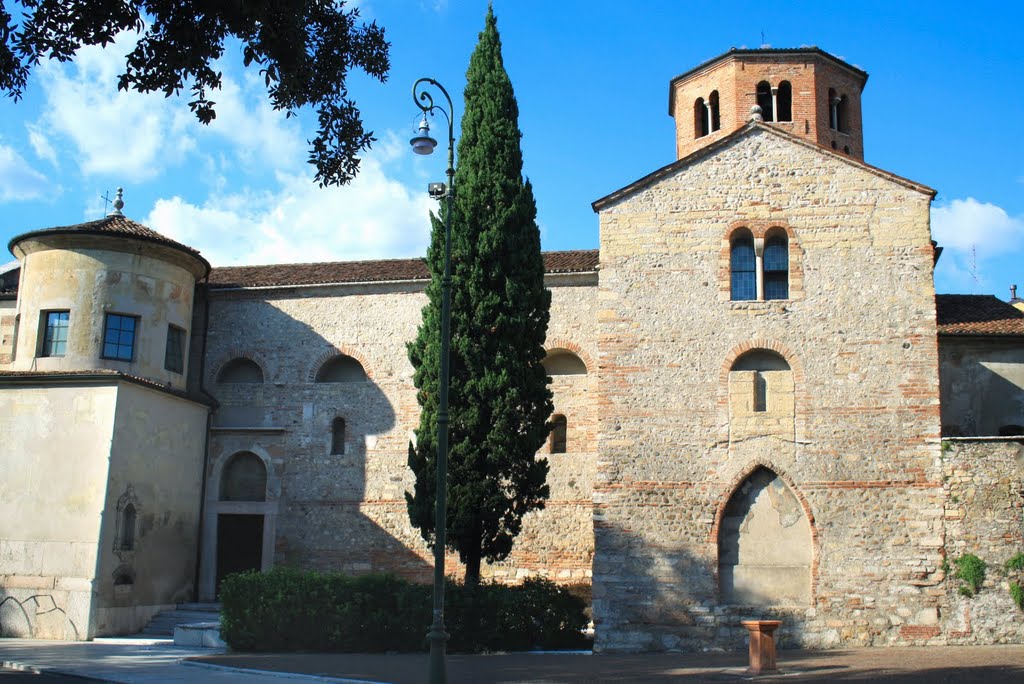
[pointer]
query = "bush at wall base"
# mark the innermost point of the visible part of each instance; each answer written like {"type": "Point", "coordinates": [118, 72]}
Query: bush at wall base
{"type": "Point", "coordinates": [291, 610]}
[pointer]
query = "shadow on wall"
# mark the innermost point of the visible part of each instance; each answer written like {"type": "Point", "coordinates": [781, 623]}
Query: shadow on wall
{"type": "Point", "coordinates": [34, 616]}
{"type": "Point", "coordinates": [982, 396]}
{"type": "Point", "coordinates": [323, 421]}
{"type": "Point", "coordinates": [693, 595]}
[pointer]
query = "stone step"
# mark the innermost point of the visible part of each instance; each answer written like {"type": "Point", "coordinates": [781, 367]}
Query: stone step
{"type": "Point", "coordinates": [163, 624]}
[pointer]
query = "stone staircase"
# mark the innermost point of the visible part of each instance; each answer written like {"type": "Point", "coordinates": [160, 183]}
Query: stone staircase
{"type": "Point", "coordinates": [163, 624]}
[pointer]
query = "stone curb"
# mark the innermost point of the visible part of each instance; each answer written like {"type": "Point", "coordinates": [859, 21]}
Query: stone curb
{"type": "Point", "coordinates": [279, 675]}
{"type": "Point", "coordinates": [24, 667]}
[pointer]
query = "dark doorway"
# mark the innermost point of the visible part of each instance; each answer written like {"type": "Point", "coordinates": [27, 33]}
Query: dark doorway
{"type": "Point", "coordinates": [239, 544]}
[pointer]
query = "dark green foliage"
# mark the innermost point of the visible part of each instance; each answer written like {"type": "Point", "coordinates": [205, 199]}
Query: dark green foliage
{"type": "Point", "coordinates": [971, 570]}
{"type": "Point", "coordinates": [288, 610]}
{"type": "Point", "coordinates": [1017, 594]}
{"type": "Point", "coordinates": [1015, 563]}
{"type": "Point", "coordinates": [304, 50]}
{"type": "Point", "coordinates": [499, 400]}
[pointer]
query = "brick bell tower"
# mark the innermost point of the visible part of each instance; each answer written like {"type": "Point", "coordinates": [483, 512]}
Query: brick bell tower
{"type": "Point", "coordinates": [804, 91]}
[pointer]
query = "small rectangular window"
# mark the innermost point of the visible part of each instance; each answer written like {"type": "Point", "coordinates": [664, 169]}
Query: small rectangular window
{"type": "Point", "coordinates": [174, 356]}
{"type": "Point", "coordinates": [119, 337]}
{"type": "Point", "coordinates": [55, 333]}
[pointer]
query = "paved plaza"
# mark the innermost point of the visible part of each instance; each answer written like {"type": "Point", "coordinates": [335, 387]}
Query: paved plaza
{"type": "Point", "coordinates": [131, 661]}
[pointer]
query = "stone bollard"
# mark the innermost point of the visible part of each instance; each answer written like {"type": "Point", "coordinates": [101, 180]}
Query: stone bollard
{"type": "Point", "coordinates": [762, 645]}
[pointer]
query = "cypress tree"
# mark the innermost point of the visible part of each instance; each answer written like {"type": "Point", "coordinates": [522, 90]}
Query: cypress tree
{"type": "Point", "coordinates": [499, 402]}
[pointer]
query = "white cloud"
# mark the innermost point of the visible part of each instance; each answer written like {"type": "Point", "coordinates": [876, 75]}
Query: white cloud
{"type": "Point", "coordinates": [41, 144]}
{"type": "Point", "coordinates": [968, 224]}
{"type": "Point", "coordinates": [374, 217]}
{"type": "Point", "coordinates": [18, 180]}
{"type": "Point", "coordinates": [136, 136]}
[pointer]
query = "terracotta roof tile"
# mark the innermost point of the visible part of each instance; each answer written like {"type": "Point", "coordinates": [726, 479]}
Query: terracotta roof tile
{"type": "Point", "coordinates": [284, 275]}
{"type": "Point", "coordinates": [977, 315]}
{"type": "Point", "coordinates": [119, 225]}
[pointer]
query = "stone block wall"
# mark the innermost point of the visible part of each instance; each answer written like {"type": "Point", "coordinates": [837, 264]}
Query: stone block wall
{"type": "Point", "coordinates": [983, 482]}
{"type": "Point", "coordinates": [347, 511]}
{"type": "Point", "coordinates": [862, 456]}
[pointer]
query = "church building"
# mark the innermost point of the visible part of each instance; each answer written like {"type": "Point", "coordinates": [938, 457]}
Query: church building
{"type": "Point", "coordinates": [762, 409]}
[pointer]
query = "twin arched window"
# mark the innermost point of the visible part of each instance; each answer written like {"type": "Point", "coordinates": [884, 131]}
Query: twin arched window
{"type": "Point", "coordinates": [776, 103]}
{"type": "Point", "coordinates": [758, 271]}
{"type": "Point", "coordinates": [706, 115]}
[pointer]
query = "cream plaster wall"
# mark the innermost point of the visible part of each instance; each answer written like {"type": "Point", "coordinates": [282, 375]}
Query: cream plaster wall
{"type": "Point", "coordinates": [157, 452]}
{"type": "Point", "coordinates": [100, 276]}
{"type": "Point", "coordinates": [54, 456]}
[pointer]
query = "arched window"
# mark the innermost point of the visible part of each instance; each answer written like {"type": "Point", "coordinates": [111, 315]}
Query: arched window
{"type": "Point", "coordinates": [341, 368]}
{"type": "Point", "coordinates": [244, 478]}
{"type": "Point", "coordinates": [776, 265]}
{"type": "Point", "coordinates": [128, 528]}
{"type": "Point", "coordinates": [558, 434]}
{"type": "Point", "coordinates": [563, 362]}
{"type": "Point", "coordinates": [700, 119]}
{"type": "Point", "coordinates": [760, 361]}
{"type": "Point", "coordinates": [338, 436]}
{"type": "Point", "coordinates": [764, 101]}
{"type": "Point", "coordinates": [716, 119]}
{"type": "Point", "coordinates": [240, 370]}
{"type": "Point", "coordinates": [785, 102]}
{"type": "Point", "coordinates": [742, 266]}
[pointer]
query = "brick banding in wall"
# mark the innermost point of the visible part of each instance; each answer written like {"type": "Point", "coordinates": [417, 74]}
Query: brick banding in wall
{"type": "Point", "coordinates": [235, 353]}
{"type": "Point", "coordinates": [339, 350]}
{"type": "Point", "coordinates": [560, 343]}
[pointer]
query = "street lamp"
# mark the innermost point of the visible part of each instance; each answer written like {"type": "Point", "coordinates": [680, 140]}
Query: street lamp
{"type": "Point", "coordinates": [422, 143]}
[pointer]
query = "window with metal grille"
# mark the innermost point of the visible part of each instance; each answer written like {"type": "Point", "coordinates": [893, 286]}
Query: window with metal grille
{"type": "Point", "coordinates": [174, 356]}
{"type": "Point", "coordinates": [55, 333]}
{"type": "Point", "coordinates": [743, 266]}
{"type": "Point", "coordinates": [776, 267]}
{"type": "Point", "coordinates": [119, 337]}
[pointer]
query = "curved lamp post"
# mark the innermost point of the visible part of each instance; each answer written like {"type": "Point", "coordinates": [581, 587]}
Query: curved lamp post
{"type": "Point", "coordinates": [422, 143]}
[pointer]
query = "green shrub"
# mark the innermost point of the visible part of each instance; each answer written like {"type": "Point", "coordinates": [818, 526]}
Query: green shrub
{"type": "Point", "coordinates": [971, 570]}
{"type": "Point", "coordinates": [1016, 562]}
{"type": "Point", "coordinates": [289, 610]}
{"type": "Point", "coordinates": [1017, 593]}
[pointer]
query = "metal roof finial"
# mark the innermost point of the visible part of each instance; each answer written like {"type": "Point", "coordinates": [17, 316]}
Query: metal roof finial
{"type": "Point", "coordinates": [118, 204]}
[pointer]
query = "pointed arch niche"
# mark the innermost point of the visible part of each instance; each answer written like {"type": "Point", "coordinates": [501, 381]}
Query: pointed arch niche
{"type": "Point", "coordinates": [765, 544]}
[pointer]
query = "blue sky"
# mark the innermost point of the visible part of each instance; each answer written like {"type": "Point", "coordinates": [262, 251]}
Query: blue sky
{"type": "Point", "coordinates": [941, 107]}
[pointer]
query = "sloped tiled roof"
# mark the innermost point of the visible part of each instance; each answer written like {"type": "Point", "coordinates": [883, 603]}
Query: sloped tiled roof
{"type": "Point", "coordinates": [387, 270]}
{"type": "Point", "coordinates": [116, 225]}
{"type": "Point", "coordinates": [96, 375]}
{"type": "Point", "coordinates": [977, 315]}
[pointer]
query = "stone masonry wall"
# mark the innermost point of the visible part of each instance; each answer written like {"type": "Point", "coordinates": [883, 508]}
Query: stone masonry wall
{"type": "Point", "coordinates": [864, 459]}
{"type": "Point", "coordinates": [347, 512]}
{"type": "Point", "coordinates": [984, 515]}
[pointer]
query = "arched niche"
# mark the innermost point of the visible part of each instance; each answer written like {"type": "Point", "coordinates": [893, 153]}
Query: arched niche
{"type": "Point", "coordinates": [765, 545]}
{"type": "Point", "coordinates": [244, 478]}
{"type": "Point", "coordinates": [240, 370]}
{"type": "Point", "coordinates": [341, 368]}
{"type": "Point", "coordinates": [564, 362]}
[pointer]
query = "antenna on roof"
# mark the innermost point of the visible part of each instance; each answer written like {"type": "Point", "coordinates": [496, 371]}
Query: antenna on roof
{"type": "Point", "coordinates": [118, 204]}
{"type": "Point", "coordinates": [974, 266]}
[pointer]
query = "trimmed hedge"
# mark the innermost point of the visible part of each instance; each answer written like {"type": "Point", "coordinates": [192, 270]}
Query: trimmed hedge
{"type": "Point", "coordinates": [290, 610]}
